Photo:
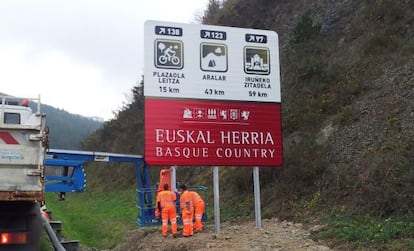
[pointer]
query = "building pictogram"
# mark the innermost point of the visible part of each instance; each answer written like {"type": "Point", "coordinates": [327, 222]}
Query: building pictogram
{"type": "Point", "coordinates": [256, 60]}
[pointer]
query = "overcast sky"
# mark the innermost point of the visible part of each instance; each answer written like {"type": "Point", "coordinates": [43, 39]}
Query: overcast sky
{"type": "Point", "coordinates": [83, 56]}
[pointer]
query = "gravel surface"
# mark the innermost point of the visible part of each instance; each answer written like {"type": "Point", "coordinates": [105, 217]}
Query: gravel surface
{"type": "Point", "coordinates": [274, 235]}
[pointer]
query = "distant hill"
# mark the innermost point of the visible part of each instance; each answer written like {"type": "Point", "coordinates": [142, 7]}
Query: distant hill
{"type": "Point", "coordinates": [67, 130]}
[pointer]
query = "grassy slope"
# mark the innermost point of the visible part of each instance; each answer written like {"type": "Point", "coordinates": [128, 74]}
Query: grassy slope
{"type": "Point", "coordinates": [97, 219]}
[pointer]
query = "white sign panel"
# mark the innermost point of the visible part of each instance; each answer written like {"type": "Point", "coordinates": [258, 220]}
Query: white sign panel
{"type": "Point", "coordinates": [211, 62]}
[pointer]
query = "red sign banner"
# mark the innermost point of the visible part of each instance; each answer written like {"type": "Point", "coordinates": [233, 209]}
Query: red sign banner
{"type": "Point", "coordinates": [207, 132]}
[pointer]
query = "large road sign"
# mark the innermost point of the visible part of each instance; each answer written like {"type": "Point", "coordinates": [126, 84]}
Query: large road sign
{"type": "Point", "coordinates": [212, 95]}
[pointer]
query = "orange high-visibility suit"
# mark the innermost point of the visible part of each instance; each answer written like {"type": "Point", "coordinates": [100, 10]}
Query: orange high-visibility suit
{"type": "Point", "coordinates": [199, 210]}
{"type": "Point", "coordinates": [166, 200]}
{"type": "Point", "coordinates": [165, 178]}
{"type": "Point", "coordinates": [187, 213]}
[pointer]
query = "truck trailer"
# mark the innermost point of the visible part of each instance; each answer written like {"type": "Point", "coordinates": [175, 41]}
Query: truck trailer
{"type": "Point", "coordinates": [23, 144]}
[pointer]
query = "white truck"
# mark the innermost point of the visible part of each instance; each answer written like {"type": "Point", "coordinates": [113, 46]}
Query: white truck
{"type": "Point", "coordinates": [23, 143]}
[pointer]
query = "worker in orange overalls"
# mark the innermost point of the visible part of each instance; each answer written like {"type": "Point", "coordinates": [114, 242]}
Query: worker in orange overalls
{"type": "Point", "coordinates": [199, 206]}
{"type": "Point", "coordinates": [166, 205]}
{"type": "Point", "coordinates": [165, 178]}
{"type": "Point", "coordinates": [187, 211]}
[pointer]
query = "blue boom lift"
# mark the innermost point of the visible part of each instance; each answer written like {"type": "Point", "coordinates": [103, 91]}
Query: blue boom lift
{"type": "Point", "coordinates": [65, 173]}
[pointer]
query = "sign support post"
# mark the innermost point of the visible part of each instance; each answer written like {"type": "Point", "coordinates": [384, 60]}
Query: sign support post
{"type": "Point", "coordinates": [216, 200]}
{"type": "Point", "coordinates": [257, 207]}
{"type": "Point", "coordinates": [173, 178]}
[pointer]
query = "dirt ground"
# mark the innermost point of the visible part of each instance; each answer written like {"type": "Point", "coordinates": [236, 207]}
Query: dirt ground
{"type": "Point", "coordinates": [274, 235]}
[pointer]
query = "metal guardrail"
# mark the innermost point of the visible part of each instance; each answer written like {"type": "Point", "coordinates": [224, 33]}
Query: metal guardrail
{"type": "Point", "coordinates": [52, 235]}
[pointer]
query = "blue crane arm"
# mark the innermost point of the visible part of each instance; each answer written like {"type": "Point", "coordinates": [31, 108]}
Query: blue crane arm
{"type": "Point", "coordinates": [72, 177]}
{"type": "Point", "coordinates": [63, 181]}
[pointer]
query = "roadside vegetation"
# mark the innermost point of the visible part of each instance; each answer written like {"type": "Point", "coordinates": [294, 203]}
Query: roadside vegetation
{"type": "Point", "coordinates": [101, 220]}
{"type": "Point", "coordinates": [347, 91]}
{"type": "Point", "coordinates": [355, 231]}
{"type": "Point", "coordinates": [96, 219]}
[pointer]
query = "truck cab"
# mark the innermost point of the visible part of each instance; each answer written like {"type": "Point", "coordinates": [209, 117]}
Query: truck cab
{"type": "Point", "coordinates": [16, 115]}
{"type": "Point", "coordinates": [23, 143]}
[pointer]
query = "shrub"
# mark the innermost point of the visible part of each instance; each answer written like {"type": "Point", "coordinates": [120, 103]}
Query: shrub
{"type": "Point", "coordinates": [357, 231]}
{"type": "Point", "coordinates": [305, 29]}
{"type": "Point", "coordinates": [381, 42]}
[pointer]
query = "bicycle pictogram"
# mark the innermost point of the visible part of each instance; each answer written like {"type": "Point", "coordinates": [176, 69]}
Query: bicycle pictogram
{"type": "Point", "coordinates": [169, 54]}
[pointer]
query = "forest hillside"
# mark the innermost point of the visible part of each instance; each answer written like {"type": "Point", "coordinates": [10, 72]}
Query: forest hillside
{"type": "Point", "coordinates": [347, 80]}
